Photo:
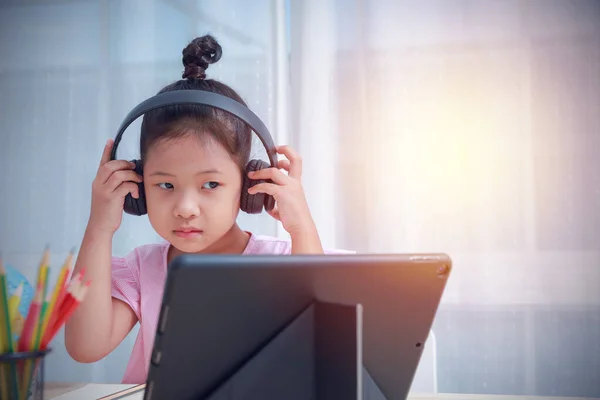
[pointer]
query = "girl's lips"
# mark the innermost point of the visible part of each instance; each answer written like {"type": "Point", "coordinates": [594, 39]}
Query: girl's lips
{"type": "Point", "coordinates": [187, 233]}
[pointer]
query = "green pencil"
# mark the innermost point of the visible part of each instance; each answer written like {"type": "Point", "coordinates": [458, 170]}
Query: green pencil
{"type": "Point", "coordinates": [38, 337]}
{"type": "Point", "coordinates": [7, 334]}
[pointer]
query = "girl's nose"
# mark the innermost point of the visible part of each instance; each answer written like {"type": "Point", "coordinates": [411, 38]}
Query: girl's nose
{"type": "Point", "coordinates": [187, 206]}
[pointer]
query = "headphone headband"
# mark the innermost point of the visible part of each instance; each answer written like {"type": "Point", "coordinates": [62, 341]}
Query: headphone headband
{"type": "Point", "coordinates": [201, 97]}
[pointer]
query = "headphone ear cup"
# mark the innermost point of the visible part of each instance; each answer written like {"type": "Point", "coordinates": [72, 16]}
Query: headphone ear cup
{"type": "Point", "coordinates": [132, 205]}
{"type": "Point", "coordinates": [254, 203]}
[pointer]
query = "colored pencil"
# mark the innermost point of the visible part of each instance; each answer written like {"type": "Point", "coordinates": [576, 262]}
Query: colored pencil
{"type": "Point", "coordinates": [30, 321]}
{"type": "Point", "coordinates": [76, 296]}
{"type": "Point", "coordinates": [7, 337]}
{"type": "Point", "coordinates": [4, 313]}
{"type": "Point", "coordinates": [48, 312]}
{"type": "Point", "coordinates": [60, 309]}
{"type": "Point", "coordinates": [35, 337]}
{"type": "Point", "coordinates": [4, 371]}
{"type": "Point", "coordinates": [63, 286]}
{"type": "Point", "coordinates": [59, 290]}
{"type": "Point", "coordinates": [44, 261]}
{"type": "Point", "coordinates": [13, 304]}
{"type": "Point", "coordinates": [17, 327]}
{"type": "Point", "coordinates": [35, 332]}
{"type": "Point", "coordinates": [40, 330]}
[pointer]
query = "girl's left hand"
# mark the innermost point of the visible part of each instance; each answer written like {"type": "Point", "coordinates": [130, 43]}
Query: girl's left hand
{"type": "Point", "coordinates": [291, 207]}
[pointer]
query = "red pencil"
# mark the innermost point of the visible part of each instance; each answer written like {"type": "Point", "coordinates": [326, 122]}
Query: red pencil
{"type": "Point", "coordinates": [59, 310]}
{"type": "Point", "coordinates": [70, 294]}
{"type": "Point", "coordinates": [62, 284]}
{"type": "Point", "coordinates": [31, 320]}
{"type": "Point", "coordinates": [61, 298]}
{"type": "Point", "coordinates": [78, 277]}
{"type": "Point", "coordinates": [72, 300]}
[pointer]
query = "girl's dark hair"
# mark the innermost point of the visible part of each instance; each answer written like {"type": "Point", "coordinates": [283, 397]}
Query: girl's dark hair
{"type": "Point", "coordinates": [172, 122]}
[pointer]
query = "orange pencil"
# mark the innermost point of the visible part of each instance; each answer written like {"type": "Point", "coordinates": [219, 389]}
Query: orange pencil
{"type": "Point", "coordinates": [58, 293]}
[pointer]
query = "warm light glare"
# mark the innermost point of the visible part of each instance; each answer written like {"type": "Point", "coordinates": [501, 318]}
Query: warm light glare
{"type": "Point", "coordinates": [453, 143]}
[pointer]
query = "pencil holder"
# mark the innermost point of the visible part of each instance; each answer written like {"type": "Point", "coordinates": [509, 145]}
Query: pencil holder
{"type": "Point", "coordinates": [22, 375]}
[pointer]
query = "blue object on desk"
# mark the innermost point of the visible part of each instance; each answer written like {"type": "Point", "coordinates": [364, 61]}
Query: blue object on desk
{"type": "Point", "coordinates": [15, 278]}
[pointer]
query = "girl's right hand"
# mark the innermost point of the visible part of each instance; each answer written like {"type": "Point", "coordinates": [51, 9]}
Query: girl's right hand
{"type": "Point", "coordinates": [114, 180]}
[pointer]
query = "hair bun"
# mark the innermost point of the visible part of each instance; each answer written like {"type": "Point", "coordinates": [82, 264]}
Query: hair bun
{"type": "Point", "coordinates": [197, 55]}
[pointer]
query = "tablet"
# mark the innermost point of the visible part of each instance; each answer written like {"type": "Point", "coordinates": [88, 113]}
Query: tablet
{"type": "Point", "coordinates": [241, 327]}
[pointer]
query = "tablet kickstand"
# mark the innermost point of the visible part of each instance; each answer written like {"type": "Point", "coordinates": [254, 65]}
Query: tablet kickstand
{"type": "Point", "coordinates": [318, 356]}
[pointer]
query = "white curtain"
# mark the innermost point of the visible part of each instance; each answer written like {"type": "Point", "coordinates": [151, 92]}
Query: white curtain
{"type": "Point", "coordinates": [467, 127]}
{"type": "Point", "coordinates": [471, 128]}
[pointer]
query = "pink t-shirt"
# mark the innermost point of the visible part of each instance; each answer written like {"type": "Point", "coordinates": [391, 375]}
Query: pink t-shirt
{"type": "Point", "coordinates": [138, 279]}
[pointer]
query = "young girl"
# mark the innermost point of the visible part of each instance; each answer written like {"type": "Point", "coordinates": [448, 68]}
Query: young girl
{"type": "Point", "coordinates": [193, 160]}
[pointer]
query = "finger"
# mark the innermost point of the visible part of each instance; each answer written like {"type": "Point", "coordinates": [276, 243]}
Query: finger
{"type": "Point", "coordinates": [284, 164]}
{"type": "Point", "coordinates": [118, 177]}
{"type": "Point", "coordinates": [274, 213]}
{"type": "Point", "coordinates": [295, 170]}
{"type": "Point", "coordinates": [126, 188]}
{"type": "Point", "coordinates": [272, 174]}
{"type": "Point", "coordinates": [268, 188]}
{"type": "Point", "coordinates": [108, 169]}
{"type": "Point", "coordinates": [106, 152]}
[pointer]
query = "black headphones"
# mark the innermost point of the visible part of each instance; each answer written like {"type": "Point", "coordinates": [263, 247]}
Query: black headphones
{"type": "Point", "coordinates": [251, 204]}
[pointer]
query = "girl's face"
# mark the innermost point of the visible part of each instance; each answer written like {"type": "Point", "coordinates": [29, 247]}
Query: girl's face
{"type": "Point", "coordinates": [192, 191]}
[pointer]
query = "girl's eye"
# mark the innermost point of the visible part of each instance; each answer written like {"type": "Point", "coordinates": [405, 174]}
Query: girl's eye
{"type": "Point", "coordinates": [210, 185]}
{"type": "Point", "coordinates": [165, 185]}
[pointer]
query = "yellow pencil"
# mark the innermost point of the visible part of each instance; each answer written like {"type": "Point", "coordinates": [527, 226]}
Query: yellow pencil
{"type": "Point", "coordinates": [13, 302]}
{"type": "Point", "coordinates": [13, 309]}
{"type": "Point", "coordinates": [42, 281]}
{"type": "Point", "coordinates": [45, 261]}
{"type": "Point", "coordinates": [60, 281]}
{"type": "Point", "coordinates": [42, 287]}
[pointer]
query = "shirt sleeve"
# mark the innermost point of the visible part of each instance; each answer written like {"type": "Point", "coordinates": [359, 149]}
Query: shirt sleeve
{"type": "Point", "coordinates": [125, 285]}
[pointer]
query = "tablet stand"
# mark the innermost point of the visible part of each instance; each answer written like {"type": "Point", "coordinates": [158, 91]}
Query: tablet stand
{"type": "Point", "coordinates": [318, 356]}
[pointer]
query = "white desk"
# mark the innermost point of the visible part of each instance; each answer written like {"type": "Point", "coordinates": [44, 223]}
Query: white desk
{"type": "Point", "coordinates": [82, 391]}
{"type": "Point", "coordinates": [77, 391]}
